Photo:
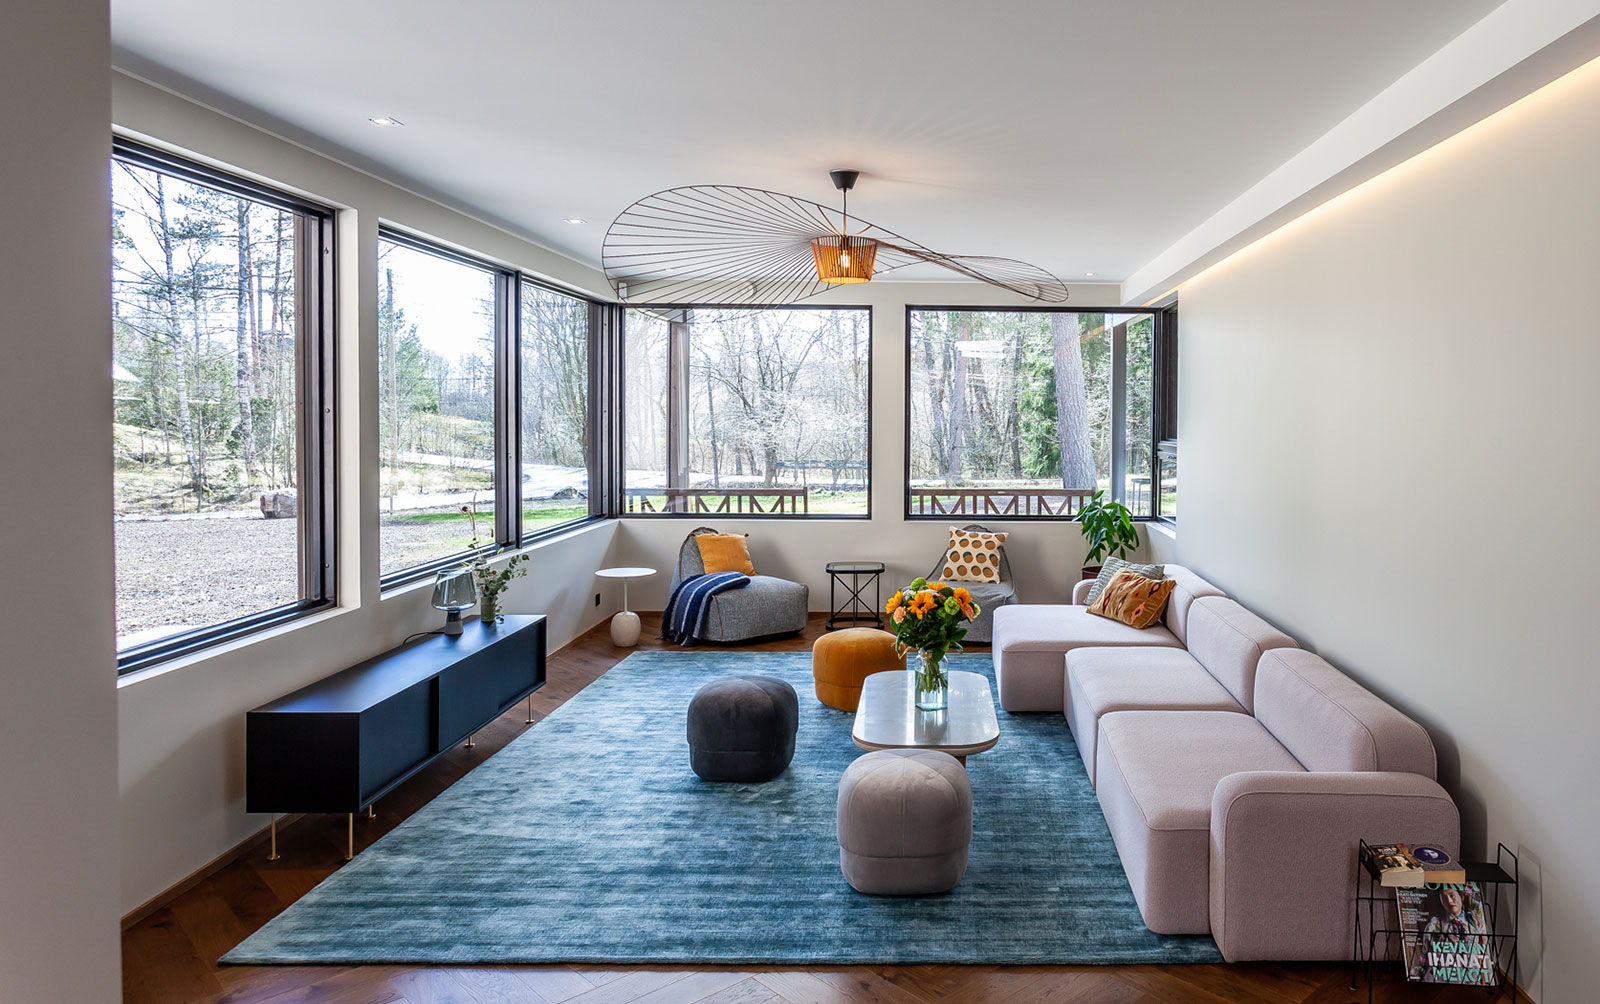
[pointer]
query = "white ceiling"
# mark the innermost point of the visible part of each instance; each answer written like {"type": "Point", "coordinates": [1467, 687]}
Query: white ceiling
{"type": "Point", "coordinates": [1083, 136]}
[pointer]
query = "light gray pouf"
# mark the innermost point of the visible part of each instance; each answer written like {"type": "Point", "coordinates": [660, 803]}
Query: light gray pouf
{"type": "Point", "coordinates": [905, 820]}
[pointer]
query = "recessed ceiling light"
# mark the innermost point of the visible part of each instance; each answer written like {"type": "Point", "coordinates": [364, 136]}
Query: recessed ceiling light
{"type": "Point", "coordinates": [1089, 274]}
{"type": "Point", "coordinates": [384, 120]}
{"type": "Point", "coordinates": [574, 220]}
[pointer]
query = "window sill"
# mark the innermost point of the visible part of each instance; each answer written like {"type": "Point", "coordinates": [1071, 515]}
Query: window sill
{"type": "Point", "coordinates": [425, 581]}
{"type": "Point", "coordinates": [232, 645]}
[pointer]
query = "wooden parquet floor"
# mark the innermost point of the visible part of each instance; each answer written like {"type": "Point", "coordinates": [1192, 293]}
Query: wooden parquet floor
{"type": "Point", "coordinates": [170, 956]}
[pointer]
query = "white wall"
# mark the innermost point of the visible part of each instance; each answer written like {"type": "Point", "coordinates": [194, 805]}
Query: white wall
{"type": "Point", "coordinates": [181, 745]}
{"type": "Point", "coordinates": [1393, 459]}
{"type": "Point", "coordinates": [1045, 557]}
{"type": "Point", "coordinates": [58, 726]}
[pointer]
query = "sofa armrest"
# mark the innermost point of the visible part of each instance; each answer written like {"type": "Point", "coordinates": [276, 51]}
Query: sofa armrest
{"type": "Point", "coordinates": [1283, 854]}
{"type": "Point", "coordinates": [1080, 592]}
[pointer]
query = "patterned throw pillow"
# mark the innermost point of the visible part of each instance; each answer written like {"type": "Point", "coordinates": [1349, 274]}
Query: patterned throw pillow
{"type": "Point", "coordinates": [1133, 599]}
{"type": "Point", "coordinates": [972, 556]}
{"type": "Point", "coordinates": [725, 552]}
{"type": "Point", "coordinates": [1109, 570]}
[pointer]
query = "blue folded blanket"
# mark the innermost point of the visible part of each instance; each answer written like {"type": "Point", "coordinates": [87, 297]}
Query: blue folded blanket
{"type": "Point", "coordinates": [684, 619]}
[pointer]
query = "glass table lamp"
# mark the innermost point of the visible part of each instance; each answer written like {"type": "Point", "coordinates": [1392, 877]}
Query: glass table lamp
{"type": "Point", "coordinates": [454, 591]}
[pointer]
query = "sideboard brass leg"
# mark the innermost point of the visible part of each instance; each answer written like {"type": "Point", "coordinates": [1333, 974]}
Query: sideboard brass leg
{"type": "Point", "coordinates": [272, 838]}
{"type": "Point", "coordinates": [530, 711]}
{"type": "Point", "coordinates": [469, 741]}
{"type": "Point", "coordinates": [370, 813]}
{"type": "Point", "coordinates": [350, 837]}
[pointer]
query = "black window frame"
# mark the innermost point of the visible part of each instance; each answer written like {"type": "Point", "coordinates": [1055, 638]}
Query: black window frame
{"type": "Point", "coordinates": [617, 446]}
{"type": "Point", "coordinates": [1163, 322]}
{"type": "Point", "coordinates": [509, 534]}
{"type": "Point", "coordinates": [1164, 405]}
{"type": "Point", "coordinates": [316, 379]}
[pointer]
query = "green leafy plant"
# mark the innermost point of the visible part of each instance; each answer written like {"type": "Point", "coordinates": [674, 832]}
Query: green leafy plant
{"type": "Point", "coordinates": [491, 581]}
{"type": "Point", "coordinates": [1107, 526]}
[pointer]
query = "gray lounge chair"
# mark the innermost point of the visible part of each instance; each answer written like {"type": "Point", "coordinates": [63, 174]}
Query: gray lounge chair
{"type": "Point", "coordinates": [989, 595]}
{"type": "Point", "coordinates": [767, 606]}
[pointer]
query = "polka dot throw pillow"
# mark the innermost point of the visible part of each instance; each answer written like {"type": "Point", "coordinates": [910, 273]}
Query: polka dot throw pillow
{"type": "Point", "coordinates": [972, 556]}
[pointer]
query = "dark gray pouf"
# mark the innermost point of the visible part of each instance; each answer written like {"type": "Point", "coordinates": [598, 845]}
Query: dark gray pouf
{"type": "Point", "coordinates": [741, 728]}
{"type": "Point", "coordinates": [905, 822]}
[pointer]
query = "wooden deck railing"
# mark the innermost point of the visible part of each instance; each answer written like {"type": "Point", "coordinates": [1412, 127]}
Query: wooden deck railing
{"type": "Point", "coordinates": [1014, 502]}
{"type": "Point", "coordinates": [766, 501]}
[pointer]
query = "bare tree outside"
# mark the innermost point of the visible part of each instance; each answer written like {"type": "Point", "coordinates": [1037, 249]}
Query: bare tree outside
{"type": "Point", "coordinates": [772, 411]}
{"type": "Point", "coordinates": [204, 322]}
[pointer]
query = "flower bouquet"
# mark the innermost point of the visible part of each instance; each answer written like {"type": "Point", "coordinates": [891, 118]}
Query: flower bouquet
{"type": "Point", "coordinates": [930, 617]}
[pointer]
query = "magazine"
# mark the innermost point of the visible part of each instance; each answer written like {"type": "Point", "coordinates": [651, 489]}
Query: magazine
{"type": "Point", "coordinates": [1445, 934]}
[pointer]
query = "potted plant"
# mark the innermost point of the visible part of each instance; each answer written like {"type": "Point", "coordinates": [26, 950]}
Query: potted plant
{"type": "Point", "coordinates": [491, 581]}
{"type": "Point", "coordinates": [1107, 527]}
{"type": "Point", "coordinates": [930, 617]}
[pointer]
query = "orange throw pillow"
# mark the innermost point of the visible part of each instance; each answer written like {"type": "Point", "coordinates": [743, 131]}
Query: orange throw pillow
{"type": "Point", "coordinates": [1133, 599]}
{"type": "Point", "coordinates": [725, 552]}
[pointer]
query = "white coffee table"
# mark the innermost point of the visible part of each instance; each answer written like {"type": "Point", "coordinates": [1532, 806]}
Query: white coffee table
{"type": "Point", "coordinates": [625, 625]}
{"type": "Point", "coordinates": [888, 717]}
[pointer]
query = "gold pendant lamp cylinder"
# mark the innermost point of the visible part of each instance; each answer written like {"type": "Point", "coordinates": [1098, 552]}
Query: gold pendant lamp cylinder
{"type": "Point", "coordinates": [844, 259]}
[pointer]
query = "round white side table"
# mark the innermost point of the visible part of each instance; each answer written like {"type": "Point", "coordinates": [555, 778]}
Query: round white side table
{"type": "Point", "coordinates": [625, 625]}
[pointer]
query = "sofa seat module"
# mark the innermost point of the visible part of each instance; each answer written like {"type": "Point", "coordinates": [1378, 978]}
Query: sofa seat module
{"type": "Point", "coordinates": [1031, 643]}
{"type": "Point", "coordinates": [1158, 771]}
{"type": "Point", "coordinates": [1217, 673]}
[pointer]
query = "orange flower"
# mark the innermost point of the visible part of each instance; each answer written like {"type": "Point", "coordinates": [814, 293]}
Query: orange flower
{"type": "Point", "coordinates": [894, 602]}
{"type": "Point", "coordinates": [962, 596]}
{"type": "Point", "coordinates": [900, 616]}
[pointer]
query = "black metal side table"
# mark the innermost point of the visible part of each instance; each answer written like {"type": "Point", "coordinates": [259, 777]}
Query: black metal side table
{"type": "Point", "coordinates": [1382, 941]}
{"type": "Point", "coordinates": [855, 612]}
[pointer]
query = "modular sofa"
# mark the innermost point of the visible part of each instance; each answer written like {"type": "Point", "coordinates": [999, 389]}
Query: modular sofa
{"type": "Point", "coordinates": [1236, 772]}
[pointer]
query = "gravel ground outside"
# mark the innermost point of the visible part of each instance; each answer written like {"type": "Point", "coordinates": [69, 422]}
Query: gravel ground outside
{"type": "Point", "coordinates": [181, 574]}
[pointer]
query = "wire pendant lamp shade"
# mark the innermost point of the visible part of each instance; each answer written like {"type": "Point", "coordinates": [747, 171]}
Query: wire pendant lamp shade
{"type": "Point", "coordinates": [725, 244]}
{"type": "Point", "coordinates": [842, 259]}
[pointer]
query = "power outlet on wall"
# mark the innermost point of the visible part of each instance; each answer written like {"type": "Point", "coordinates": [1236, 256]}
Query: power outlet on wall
{"type": "Point", "coordinates": [596, 599]}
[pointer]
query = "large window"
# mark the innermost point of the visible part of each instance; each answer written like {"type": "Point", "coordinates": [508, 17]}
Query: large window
{"type": "Point", "coordinates": [436, 405]}
{"type": "Point", "coordinates": [556, 448]}
{"type": "Point", "coordinates": [484, 407]}
{"type": "Point", "coordinates": [222, 415]}
{"type": "Point", "coordinates": [747, 411]}
{"type": "Point", "coordinates": [1024, 414]}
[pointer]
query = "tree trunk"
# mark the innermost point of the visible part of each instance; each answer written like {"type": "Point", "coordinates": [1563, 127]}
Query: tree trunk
{"type": "Point", "coordinates": [241, 368]}
{"type": "Point", "coordinates": [958, 403]}
{"type": "Point", "coordinates": [711, 413]}
{"type": "Point", "coordinates": [392, 389]}
{"type": "Point", "coordinates": [180, 368]}
{"type": "Point", "coordinates": [1072, 405]}
{"type": "Point", "coordinates": [940, 445]}
{"type": "Point", "coordinates": [1014, 407]}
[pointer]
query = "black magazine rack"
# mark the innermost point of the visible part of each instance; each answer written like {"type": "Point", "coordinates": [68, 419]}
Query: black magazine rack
{"type": "Point", "coordinates": [1378, 936]}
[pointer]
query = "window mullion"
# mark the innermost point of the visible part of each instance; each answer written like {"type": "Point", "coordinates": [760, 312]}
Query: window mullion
{"type": "Point", "coordinates": [507, 410]}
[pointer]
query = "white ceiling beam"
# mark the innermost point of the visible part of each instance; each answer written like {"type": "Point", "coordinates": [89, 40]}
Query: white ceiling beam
{"type": "Point", "coordinates": [1516, 49]}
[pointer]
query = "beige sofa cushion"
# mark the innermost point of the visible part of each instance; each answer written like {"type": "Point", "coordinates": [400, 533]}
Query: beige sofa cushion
{"type": "Point", "coordinates": [1158, 771]}
{"type": "Point", "coordinates": [1229, 640]}
{"type": "Point", "coordinates": [1332, 723]}
{"type": "Point", "coordinates": [1103, 680]}
{"type": "Point", "coordinates": [1188, 588]}
{"type": "Point", "coordinates": [1031, 641]}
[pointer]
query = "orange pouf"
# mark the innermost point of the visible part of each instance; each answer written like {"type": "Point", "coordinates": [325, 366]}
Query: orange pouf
{"type": "Point", "coordinates": [840, 660]}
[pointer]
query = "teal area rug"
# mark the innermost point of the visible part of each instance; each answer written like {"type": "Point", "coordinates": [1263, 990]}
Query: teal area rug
{"type": "Point", "coordinates": [588, 839]}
